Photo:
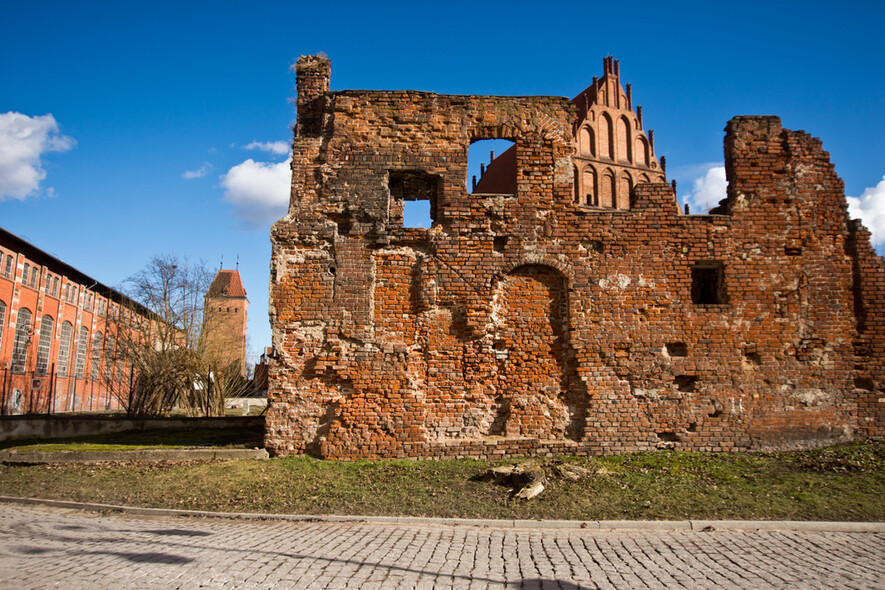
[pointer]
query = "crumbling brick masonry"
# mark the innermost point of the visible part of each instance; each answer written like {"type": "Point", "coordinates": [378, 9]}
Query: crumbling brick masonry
{"type": "Point", "coordinates": [566, 304]}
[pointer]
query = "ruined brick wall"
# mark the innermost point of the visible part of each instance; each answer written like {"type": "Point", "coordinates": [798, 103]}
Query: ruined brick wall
{"type": "Point", "coordinates": [530, 323]}
{"type": "Point", "coordinates": [869, 347]}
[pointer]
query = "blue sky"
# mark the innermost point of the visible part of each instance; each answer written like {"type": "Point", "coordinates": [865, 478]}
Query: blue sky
{"type": "Point", "coordinates": [167, 117]}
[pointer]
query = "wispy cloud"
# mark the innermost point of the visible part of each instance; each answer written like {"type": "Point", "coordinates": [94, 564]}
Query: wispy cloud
{"type": "Point", "coordinates": [274, 147]}
{"type": "Point", "coordinates": [708, 186]}
{"type": "Point", "coordinates": [24, 141]}
{"type": "Point", "coordinates": [198, 173]}
{"type": "Point", "coordinates": [258, 191]}
{"type": "Point", "coordinates": [869, 207]}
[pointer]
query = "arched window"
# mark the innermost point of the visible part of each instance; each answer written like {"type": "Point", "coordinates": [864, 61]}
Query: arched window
{"type": "Point", "coordinates": [82, 343]}
{"type": "Point", "coordinates": [607, 190]}
{"type": "Point", "coordinates": [641, 151]}
{"type": "Point", "coordinates": [606, 137]}
{"type": "Point", "coordinates": [2, 322]}
{"type": "Point", "coordinates": [96, 355]}
{"type": "Point", "coordinates": [22, 340]}
{"type": "Point", "coordinates": [586, 143]}
{"type": "Point", "coordinates": [44, 345]}
{"type": "Point", "coordinates": [7, 271]}
{"type": "Point", "coordinates": [591, 192]}
{"type": "Point", "coordinates": [625, 187]}
{"type": "Point", "coordinates": [109, 358]}
{"type": "Point", "coordinates": [625, 146]}
{"type": "Point", "coordinates": [64, 348]}
{"type": "Point", "coordinates": [25, 270]}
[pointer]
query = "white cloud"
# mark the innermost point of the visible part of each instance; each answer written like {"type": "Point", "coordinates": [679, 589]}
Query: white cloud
{"type": "Point", "coordinates": [275, 147]}
{"type": "Point", "coordinates": [707, 189]}
{"type": "Point", "coordinates": [870, 208]}
{"type": "Point", "coordinates": [24, 141]}
{"type": "Point", "coordinates": [199, 173]}
{"type": "Point", "coordinates": [259, 191]}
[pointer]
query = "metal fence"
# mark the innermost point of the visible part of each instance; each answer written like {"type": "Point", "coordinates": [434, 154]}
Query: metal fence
{"type": "Point", "coordinates": [32, 393]}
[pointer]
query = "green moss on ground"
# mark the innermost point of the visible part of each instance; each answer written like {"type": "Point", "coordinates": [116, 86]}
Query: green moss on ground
{"type": "Point", "coordinates": [845, 482]}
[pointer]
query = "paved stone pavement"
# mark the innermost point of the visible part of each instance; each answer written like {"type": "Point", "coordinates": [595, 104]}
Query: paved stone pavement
{"type": "Point", "coordinates": [44, 547]}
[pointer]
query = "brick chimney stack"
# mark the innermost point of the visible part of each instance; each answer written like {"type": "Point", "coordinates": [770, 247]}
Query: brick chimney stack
{"type": "Point", "coordinates": [313, 73]}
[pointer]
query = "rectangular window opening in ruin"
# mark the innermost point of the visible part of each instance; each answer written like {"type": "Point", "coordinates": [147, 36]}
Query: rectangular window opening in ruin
{"type": "Point", "coordinates": [677, 349]}
{"type": "Point", "coordinates": [707, 283]}
{"type": "Point", "coordinates": [491, 167]}
{"type": "Point", "coordinates": [413, 196]}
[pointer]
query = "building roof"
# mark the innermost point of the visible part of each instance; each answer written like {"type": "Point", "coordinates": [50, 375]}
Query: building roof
{"type": "Point", "coordinates": [43, 258]}
{"type": "Point", "coordinates": [227, 283]}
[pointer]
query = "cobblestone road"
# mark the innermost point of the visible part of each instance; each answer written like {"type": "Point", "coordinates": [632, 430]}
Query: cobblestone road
{"type": "Point", "coordinates": [42, 547]}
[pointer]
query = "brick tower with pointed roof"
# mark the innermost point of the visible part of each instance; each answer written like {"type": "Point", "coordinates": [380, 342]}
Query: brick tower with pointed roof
{"type": "Point", "coordinates": [224, 319]}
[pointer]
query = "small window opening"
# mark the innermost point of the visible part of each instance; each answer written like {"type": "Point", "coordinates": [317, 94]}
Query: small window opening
{"type": "Point", "coordinates": [499, 243]}
{"type": "Point", "coordinates": [595, 246]}
{"type": "Point", "coordinates": [677, 349]}
{"type": "Point", "coordinates": [685, 383]}
{"type": "Point", "coordinates": [751, 356]}
{"type": "Point", "coordinates": [865, 384]}
{"type": "Point", "coordinates": [413, 195]}
{"type": "Point", "coordinates": [707, 284]}
{"type": "Point", "coordinates": [416, 214]}
{"type": "Point", "coordinates": [491, 167]}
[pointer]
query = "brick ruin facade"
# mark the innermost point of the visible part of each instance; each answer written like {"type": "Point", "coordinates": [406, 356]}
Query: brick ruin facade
{"type": "Point", "coordinates": [580, 311]}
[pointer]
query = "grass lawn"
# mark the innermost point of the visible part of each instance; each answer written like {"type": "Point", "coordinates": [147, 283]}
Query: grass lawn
{"type": "Point", "coordinates": [152, 439]}
{"type": "Point", "coordinates": [845, 482]}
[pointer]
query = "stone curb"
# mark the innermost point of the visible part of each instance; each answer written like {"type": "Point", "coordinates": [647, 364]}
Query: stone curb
{"type": "Point", "coordinates": [604, 525]}
{"type": "Point", "coordinates": [143, 455]}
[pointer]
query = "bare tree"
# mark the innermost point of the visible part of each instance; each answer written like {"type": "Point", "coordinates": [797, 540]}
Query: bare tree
{"type": "Point", "coordinates": [173, 288]}
{"type": "Point", "coordinates": [163, 343]}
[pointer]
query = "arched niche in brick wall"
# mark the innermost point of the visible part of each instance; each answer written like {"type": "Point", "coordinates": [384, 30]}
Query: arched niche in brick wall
{"type": "Point", "coordinates": [538, 392]}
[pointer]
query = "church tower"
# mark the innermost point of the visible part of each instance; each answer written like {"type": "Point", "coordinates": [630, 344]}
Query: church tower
{"type": "Point", "coordinates": [225, 313]}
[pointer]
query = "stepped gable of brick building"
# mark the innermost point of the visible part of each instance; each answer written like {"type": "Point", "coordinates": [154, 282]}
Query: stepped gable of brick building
{"type": "Point", "coordinates": [580, 310]}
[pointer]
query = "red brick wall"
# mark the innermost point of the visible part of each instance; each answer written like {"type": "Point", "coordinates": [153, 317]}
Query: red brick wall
{"type": "Point", "coordinates": [528, 325]}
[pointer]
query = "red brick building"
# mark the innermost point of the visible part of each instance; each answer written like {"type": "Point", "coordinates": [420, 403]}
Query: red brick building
{"type": "Point", "coordinates": [567, 305]}
{"type": "Point", "coordinates": [58, 334]}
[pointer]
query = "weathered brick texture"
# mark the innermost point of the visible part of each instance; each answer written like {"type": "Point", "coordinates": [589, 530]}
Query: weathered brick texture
{"type": "Point", "coordinates": [562, 318]}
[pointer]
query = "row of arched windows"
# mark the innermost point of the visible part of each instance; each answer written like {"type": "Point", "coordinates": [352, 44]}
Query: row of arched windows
{"type": "Point", "coordinates": [607, 189]}
{"type": "Point", "coordinates": [615, 141]}
{"type": "Point", "coordinates": [22, 340]}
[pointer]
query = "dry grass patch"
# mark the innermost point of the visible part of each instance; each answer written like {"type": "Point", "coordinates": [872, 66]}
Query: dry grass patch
{"type": "Point", "coordinates": [845, 482]}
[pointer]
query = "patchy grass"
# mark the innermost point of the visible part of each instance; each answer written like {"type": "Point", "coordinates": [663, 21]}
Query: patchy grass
{"type": "Point", "coordinates": [846, 482]}
{"type": "Point", "coordinates": [153, 439]}
{"type": "Point", "coordinates": [253, 411]}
